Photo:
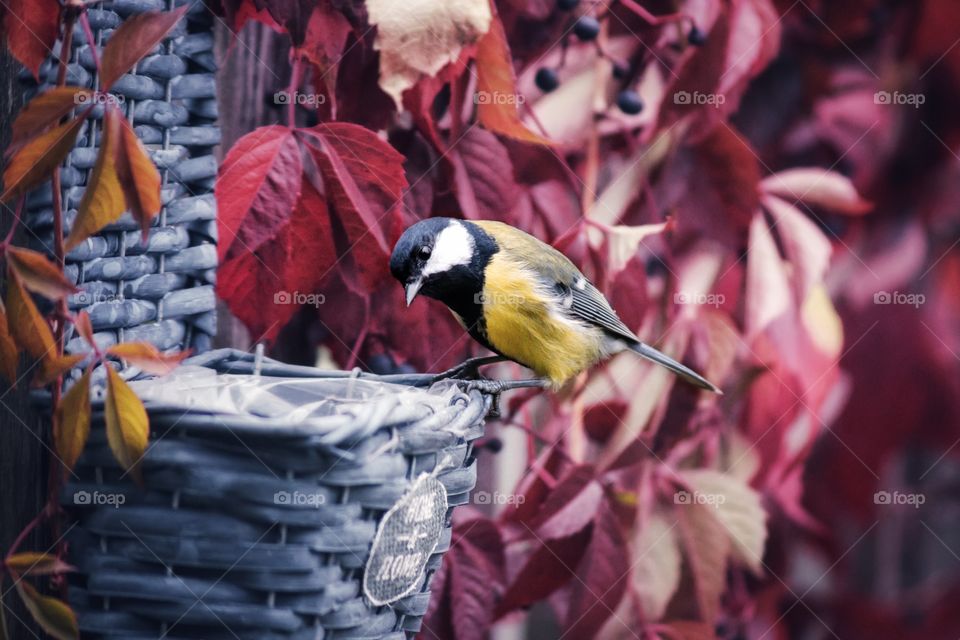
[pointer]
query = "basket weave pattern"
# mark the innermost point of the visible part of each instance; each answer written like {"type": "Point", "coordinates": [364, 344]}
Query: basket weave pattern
{"type": "Point", "coordinates": [206, 551]}
{"type": "Point", "coordinates": [161, 291]}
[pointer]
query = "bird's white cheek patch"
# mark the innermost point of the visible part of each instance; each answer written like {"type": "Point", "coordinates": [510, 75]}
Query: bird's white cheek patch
{"type": "Point", "coordinates": [454, 246]}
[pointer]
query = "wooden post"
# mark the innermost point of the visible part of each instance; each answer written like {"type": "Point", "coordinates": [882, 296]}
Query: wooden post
{"type": "Point", "coordinates": [23, 455]}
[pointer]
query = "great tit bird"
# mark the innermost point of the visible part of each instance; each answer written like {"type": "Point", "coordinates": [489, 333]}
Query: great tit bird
{"type": "Point", "coordinates": [519, 297]}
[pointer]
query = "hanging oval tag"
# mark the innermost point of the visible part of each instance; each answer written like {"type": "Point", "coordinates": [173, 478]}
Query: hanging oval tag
{"type": "Point", "coordinates": [405, 540]}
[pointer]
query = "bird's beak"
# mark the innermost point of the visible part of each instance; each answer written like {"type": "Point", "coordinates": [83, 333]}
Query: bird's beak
{"type": "Point", "coordinates": [413, 288]}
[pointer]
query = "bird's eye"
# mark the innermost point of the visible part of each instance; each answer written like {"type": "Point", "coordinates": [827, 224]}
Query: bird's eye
{"type": "Point", "coordinates": [424, 252]}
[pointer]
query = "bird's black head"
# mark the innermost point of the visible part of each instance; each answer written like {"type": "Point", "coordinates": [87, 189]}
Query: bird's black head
{"type": "Point", "coordinates": [442, 258]}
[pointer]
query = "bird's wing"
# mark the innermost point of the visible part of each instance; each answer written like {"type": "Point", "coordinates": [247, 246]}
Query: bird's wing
{"type": "Point", "coordinates": [581, 299]}
{"type": "Point", "coordinates": [587, 303]}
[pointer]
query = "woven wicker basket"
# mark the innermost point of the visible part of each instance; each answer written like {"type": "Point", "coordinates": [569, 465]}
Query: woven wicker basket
{"type": "Point", "coordinates": [162, 291]}
{"type": "Point", "coordinates": [204, 550]}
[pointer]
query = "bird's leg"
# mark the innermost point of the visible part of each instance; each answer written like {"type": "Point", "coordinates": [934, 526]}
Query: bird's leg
{"type": "Point", "coordinates": [496, 387]}
{"type": "Point", "coordinates": [468, 369]}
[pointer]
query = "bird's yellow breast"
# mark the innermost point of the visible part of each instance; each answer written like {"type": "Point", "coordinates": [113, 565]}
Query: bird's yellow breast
{"type": "Point", "coordinates": [526, 324]}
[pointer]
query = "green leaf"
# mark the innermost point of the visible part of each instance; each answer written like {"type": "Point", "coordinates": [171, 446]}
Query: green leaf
{"type": "Point", "coordinates": [73, 421]}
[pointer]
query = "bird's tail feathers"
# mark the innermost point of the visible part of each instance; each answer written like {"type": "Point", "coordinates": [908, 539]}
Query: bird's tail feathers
{"type": "Point", "coordinates": [686, 373]}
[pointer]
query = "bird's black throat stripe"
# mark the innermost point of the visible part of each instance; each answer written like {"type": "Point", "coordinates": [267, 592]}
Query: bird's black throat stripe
{"type": "Point", "coordinates": [461, 288]}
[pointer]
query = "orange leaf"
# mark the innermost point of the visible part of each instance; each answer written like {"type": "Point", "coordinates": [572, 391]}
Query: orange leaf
{"type": "Point", "coordinates": [36, 160]}
{"type": "Point", "coordinates": [147, 357]}
{"type": "Point", "coordinates": [127, 424]}
{"type": "Point", "coordinates": [51, 614]}
{"type": "Point", "coordinates": [55, 366]}
{"type": "Point", "coordinates": [8, 350]}
{"type": "Point", "coordinates": [26, 324]}
{"type": "Point", "coordinates": [497, 87]}
{"type": "Point", "coordinates": [136, 37]}
{"type": "Point", "coordinates": [39, 274]}
{"type": "Point", "coordinates": [139, 179]}
{"type": "Point", "coordinates": [32, 563]}
{"type": "Point", "coordinates": [73, 421]}
{"type": "Point", "coordinates": [102, 202]}
{"type": "Point", "coordinates": [84, 327]}
{"type": "Point", "coordinates": [45, 111]}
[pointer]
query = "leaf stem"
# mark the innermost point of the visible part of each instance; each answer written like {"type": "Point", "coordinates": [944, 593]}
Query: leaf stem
{"type": "Point", "coordinates": [88, 32]}
{"type": "Point", "coordinates": [296, 71]}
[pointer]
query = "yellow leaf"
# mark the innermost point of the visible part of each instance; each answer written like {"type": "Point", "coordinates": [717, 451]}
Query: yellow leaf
{"type": "Point", "coordinates": [33, 563]}
{"type": "Point", "coordinates": [73, 421]}
{"type": "Point", "coordinates": [139, 179]}
{"type": "Point", "coordinates": [26, 324]}
{"type": "Point", "coordinates": [55, 366]}
{"type": "Point", "coordinates": [147, 357]}
{"type": "Point", "coordinates": [39, 274]}
{"type": "Point", "coordinates": [822, 322]}
{"type": "Point", "coordinates": [102, 201]}
{"type": "Point", "coordinates": [8, 350]}
{"type": "Point", "coordinates": [127, 424]}
{"type": "Point", "coordinates": [52, 615]}
{"type": "Point", "coordinates": [36, 160]}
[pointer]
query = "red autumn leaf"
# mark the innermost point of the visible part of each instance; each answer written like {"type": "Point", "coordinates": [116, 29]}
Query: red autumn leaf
{"type": "Point", "coordinates": [35, 161]}
{"type": "Point", "coordinates": [45, 111]}
{"type": "Point", "coordinates": [8, 349]}
{"type": "Point", "coordinates": [707, 548]}
{"type": "Point", "coordinates": [53, 616]}
{"type": "Point", "coordinates": [31, 28]}
{"type": "Point", "coordinates": [84, 327]}
{"type": "Point", "coordinates": [102, 201]}
{"type": "Point", "coordinates": [38, 273]}
{"type": "Point", "coordinates": [135, 37]}
{"type": "Point", "coordinates": [364, 181]}
{"type": "Point", "coordinates": [547, 568]}
{"type": "Point", "coordinates": [483, 175]}
{"type": "Point", "coordinates": [601, 577]}
{"type": "Point", "coordinates": [138, 177]}
{"type": "Point", "coordinates": [326, 36]}
{"type": "Point", "coordinates": [571, 505]}
{"type": "Point", "coordinates": [127, 424]}
{"type": "Point", "coordinates": [819, 188]}
{"type": "Point", "coordinates": [147, 357]}
{"type": "Point", "coordinates": [497, 87]}
{"type": "Point", "coordinates": [26, 324]}
{"type": "Point", "coordinates": [32, 563]}
{"type": "Point", "coordinates": [258, 184]}
{"type": "Point", "coordinates": [72, 426]}
{"type": "Point", "coordinates": [259, 287]}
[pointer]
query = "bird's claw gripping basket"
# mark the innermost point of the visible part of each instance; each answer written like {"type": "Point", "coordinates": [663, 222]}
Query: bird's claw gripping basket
{"type": "Point", "coordinates": [274, 506]}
